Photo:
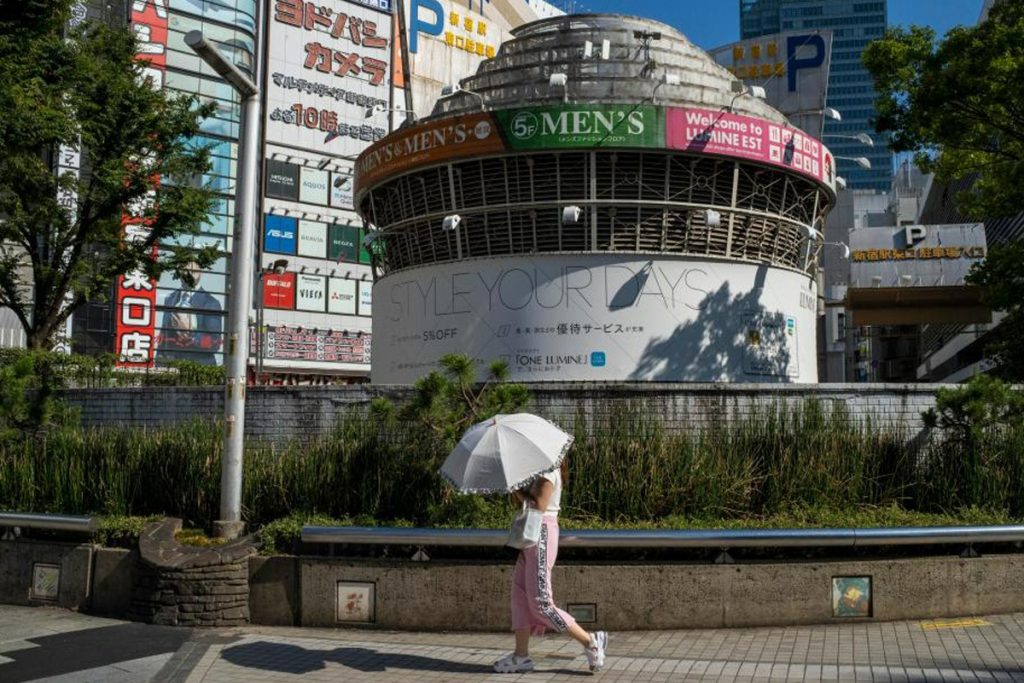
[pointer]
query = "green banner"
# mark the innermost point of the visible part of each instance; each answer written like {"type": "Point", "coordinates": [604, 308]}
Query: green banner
{"type": "Point", "coordinates": [343, 243]}
{"type": "Point", "coordinates": [584, 125]}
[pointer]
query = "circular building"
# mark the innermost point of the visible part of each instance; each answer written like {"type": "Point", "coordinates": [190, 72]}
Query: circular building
{"type": "Point", "coordinates": [601, 201]}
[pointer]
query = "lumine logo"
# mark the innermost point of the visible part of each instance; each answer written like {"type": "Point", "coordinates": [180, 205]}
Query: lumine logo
{"type": "Point", "coordinates": [526, 124]}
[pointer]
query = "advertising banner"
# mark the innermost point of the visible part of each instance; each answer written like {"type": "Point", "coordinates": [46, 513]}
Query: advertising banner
{"type": "Point", "coordinates": [600, 317]}
{"type": "Point", "coordinates": [279, 291]}
{"type": "Point", "coordinates": [279, 233]}
{"type": "Point", "coordinates": [282, 180]}
{"type": "Point", "coordinates": [707, 131]}
{"type": "Point", "coordinates": [341, 190]}
{"type": "Point", "coordinates": [459, 136]}
{"type": "Point", "coordinates": [312, 239]}
{"type": "Point", "coordinates": [284, 343]}
{"type": "Point", "coordinates": [344, 243]}
{"type": "Point", "coordinates": [596, 125]}
{"type": "Point", "coordinates": [341, 297]}
{"type": "Point", "coordinates": [135, 296]}
{"type": "Point", "coordinates": [313, 189]}
{"type": "Point", "coordinates": [328, 64]}
{"type": "Point", "coordinates": [310, 293]}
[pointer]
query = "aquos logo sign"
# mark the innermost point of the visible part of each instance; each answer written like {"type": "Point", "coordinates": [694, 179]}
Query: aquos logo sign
{"type": "Point", "coordinates": [582, 126]}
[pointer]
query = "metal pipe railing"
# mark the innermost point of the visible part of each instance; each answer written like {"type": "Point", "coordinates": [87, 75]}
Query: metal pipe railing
{"type": "Point", "coordinates": [33, 520]}
{"type": "Point", "coordinates": [672, 538]}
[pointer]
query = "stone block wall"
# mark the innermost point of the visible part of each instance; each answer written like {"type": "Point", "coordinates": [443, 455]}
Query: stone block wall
{"type": "Point", "coordinates": [174, 585]}
{"type": "Point", "coordinates": [282, 413]}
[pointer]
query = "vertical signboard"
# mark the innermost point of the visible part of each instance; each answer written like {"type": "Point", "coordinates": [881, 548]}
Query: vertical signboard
{"type": "Point", "coordinates": [314, 187]}
{"type": "Point", "coordinates": [282, 180]}
{"type": "Point", "coordinates": [279, 234]}
{"type": "Point", "coordinates": [365, 298]}
{"type": "Point", "coordinates": [328, 65]}
{"type": "Point", "coordinates": [312, 239]}
{"type": "Point", "coordinates": [341, 296]}
{"type": "Point", "coordinates": [792, 67]}
{"type": "Point", "coordinates": [135, 296]}
{"type": "Point", "coordinates": [279, 291]}
{"type": "Point", "coordinates": [310, 293]}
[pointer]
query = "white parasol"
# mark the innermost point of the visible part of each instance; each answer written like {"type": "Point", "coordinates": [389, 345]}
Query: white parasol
{"type": "Point", "coordinates": [505, 453]}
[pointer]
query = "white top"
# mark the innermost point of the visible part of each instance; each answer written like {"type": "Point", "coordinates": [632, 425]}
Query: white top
{"type": "Point", "coordinates": [555, 502]}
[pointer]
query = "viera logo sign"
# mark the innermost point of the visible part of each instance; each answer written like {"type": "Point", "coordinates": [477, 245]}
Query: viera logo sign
{"type": "Point", "coordinates": [527, 125]}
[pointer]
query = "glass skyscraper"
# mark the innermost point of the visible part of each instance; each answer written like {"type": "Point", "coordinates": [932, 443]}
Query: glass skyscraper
{"type": "Point", "coordinates": [854, 24]}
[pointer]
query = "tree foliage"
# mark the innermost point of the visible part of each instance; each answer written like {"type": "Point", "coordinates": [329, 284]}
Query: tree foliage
{"type": "Point", "coordinates": [83, 88]}
{"type": "Point", "coordinates": [958, 104]}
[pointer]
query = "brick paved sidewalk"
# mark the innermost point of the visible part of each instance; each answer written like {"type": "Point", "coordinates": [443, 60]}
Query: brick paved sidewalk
{"type": "Point", "coordinates": [963, 650]}
{"type": "Point", "coordinates": [65, 647]}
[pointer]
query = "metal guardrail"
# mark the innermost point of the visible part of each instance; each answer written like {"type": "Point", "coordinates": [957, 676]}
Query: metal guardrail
{"type": "Point", "coordinates": [33, 520]}
{"type": "Point", "coordinates": [697, 538]}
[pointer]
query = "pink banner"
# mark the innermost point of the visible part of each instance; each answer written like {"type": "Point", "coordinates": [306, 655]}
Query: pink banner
{"type": "Point", "coordinates": [707, 131]}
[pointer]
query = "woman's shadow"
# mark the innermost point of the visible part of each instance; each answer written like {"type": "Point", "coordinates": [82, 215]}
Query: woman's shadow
{"type": "Point", "coordinates": [286, 658]}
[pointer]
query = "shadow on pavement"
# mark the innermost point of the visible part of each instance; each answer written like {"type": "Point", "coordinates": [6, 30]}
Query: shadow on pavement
{"type": "Point", "coordinates": [285, 658]}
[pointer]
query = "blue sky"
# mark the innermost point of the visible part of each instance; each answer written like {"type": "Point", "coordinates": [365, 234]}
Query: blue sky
{"type": "Point", "coordinates": [714, 23]}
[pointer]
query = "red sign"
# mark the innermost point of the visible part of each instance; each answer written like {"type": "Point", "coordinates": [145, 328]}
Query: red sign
{"type": "Point", "coordinates": [135, 298]}
{"type": "Point", "coordinates": [279, 291]}
{"type": "Point", "coordinates": [717, 132]}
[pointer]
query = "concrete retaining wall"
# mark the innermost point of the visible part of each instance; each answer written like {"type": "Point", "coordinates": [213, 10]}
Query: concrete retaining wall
{"type": "Point", "coordinates": [474, 596]}
{"type": "Point", "coordinates": [280, 413]}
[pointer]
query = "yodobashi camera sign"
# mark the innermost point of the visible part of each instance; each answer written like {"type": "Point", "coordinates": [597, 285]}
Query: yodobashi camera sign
{"type": "Point", "coordinates": [599, 317]}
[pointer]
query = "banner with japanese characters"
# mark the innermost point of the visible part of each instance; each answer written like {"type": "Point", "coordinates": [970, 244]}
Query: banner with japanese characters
{"type": "Point", "coordinates": [328, 75]}
{"type": "Point", "coordinates": [135, 295]}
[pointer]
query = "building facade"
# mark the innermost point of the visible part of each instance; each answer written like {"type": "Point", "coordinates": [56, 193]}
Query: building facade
{"type": "Point", "coordinates": [601, 201]}
{"type": "Point", "coordinates": [334, 81]}
{"type": "Point", "coordinates": [854, 24]}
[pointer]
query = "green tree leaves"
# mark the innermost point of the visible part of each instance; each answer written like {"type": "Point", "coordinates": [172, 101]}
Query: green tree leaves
{"type": "Point", "coordinates": [85, 89]}
{"type": "Point", "coordinates": [958, 104]}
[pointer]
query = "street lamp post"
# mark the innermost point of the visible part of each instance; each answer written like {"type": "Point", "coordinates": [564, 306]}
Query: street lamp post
{"type": "Point", "coordinates": [230, 524]}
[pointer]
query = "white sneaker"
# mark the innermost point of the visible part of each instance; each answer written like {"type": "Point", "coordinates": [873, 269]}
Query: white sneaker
{"type": "Point", "coordinates": [513, 664]}
{"type": "Point", "coordinates": [595, 653]}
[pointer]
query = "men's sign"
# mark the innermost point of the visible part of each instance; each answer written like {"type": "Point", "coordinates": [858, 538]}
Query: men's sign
{"type": "Point", "coordinates": [583, 126]}
{"type": "Point", "coordinates": [459, 136]}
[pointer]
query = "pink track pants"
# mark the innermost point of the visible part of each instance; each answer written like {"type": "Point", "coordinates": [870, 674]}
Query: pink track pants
{"type": "Point", "coordinates": [533, 605]}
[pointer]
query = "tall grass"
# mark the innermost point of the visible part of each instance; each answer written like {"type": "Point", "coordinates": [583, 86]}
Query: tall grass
{"type": "Point", "coordinates": [625, 469]}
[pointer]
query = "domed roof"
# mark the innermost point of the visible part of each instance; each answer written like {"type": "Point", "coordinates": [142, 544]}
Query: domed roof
{"type": "Point", "coordinates": [641, 54]}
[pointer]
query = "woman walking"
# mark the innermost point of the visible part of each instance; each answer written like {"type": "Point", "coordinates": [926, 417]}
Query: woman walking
{"type": "Point", "coordinates": [533, 607]}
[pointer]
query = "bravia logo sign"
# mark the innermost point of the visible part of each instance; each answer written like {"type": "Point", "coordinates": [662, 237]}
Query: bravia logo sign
{"type": "Point", "coordinates": [526, 124]}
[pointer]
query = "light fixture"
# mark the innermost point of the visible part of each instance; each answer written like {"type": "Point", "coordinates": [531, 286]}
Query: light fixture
{"type": "Point", "coordinates": [809, 232]}
{"type": "Point", "coordinates": [450, 223]}
{"type": "Point", "coordinates": [606, 49]}
{"type": "Point", "coordinates": [647, 35]}
{"type": "Point", "coordinates": [225, 69]}
{"type": "Point", "coordinates": [571, 215]}
{"type": "Point", "coordinates": [845, 247]}
{"type": "Point", "coordinates": [758, 92]}
{"type": "Point", "coordinates": [671, 79]}
{"type": "Point", "coordinates": [741, 88]}
{"type": "Point", "coordinates": [876, 280]}
{"type": "Point", "coordinates": [712, 218]}
{"type": "Point", "coordinates": [324, 163]}
{"type": "Point", "coordinates": [371, 237]}
{"type": "Point", "coordinates": [558, 80]}
{"type": "Point", "coordinates": [302, 269]}
{"type": "Point", "coordinates": [863, 162]}
{"type": "Point", "coordinates": [831, 113]}
{"type": "Point", "coordinates": [840, 183]}
{"type": "Point", "coordinates": [280, 266]}
{"type": "Point", "coordinates": [906, 280]}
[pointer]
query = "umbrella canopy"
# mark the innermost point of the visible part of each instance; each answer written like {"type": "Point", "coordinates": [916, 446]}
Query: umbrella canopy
{"type": "Point", "coordinates": [504, 453]}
